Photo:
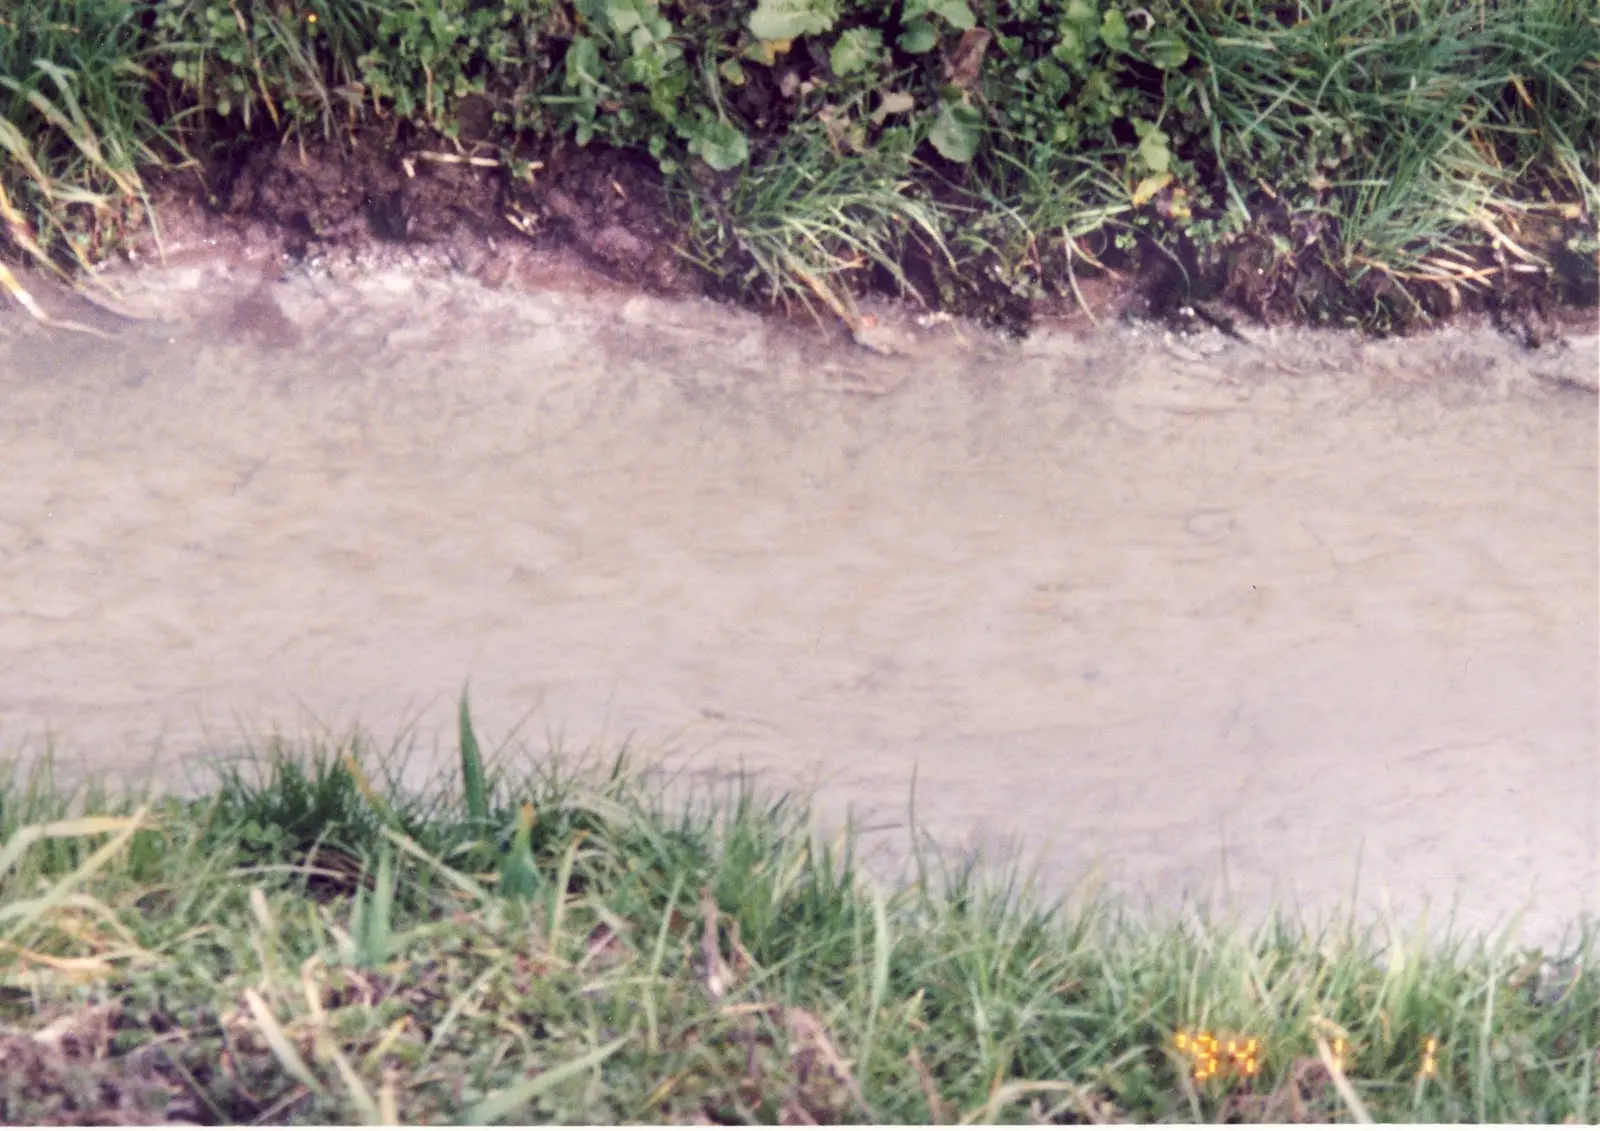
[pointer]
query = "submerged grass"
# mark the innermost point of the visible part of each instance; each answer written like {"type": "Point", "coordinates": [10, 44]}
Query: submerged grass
{"type": "Point", "coordinates": [297, 946]}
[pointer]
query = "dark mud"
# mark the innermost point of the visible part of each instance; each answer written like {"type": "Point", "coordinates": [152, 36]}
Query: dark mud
{"type": "Point", "coordinates": [383, 192]}
{"type": "Point", "coordinates": [312, 201]}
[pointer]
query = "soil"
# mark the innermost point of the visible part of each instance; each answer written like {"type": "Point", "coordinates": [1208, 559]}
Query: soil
{"type": "Point", "coordinates": [309, 200]}
{"type": "Point", "coordinates": [1205, 615]}
{"type": "Point", "coordinates": [344, 199]}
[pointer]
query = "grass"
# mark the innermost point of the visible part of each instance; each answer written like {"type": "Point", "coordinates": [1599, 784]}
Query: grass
{"type": "Point", "coordinates": [1409, 157]}
{"type": "Point", "coordinates": [308, 942]}
{"type": "Point", "coordinates": [75, 127]}
{"type": "Point", "coordinates": [298, 945]}
{"type": "Point", "coordinates": [805, 223]}
{"type": "Point", "coordinates": [1418, 122]}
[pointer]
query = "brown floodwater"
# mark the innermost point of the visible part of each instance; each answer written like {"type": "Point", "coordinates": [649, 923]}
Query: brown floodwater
{"type": "Point", "coordinates": [1193, 617]}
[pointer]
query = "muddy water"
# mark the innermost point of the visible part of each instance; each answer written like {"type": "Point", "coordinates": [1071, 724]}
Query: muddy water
{"type": "Point", "coordinates": [1193, 617]}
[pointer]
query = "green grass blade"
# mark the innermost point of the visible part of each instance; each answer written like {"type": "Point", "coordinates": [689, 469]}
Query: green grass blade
{"type": "Point", "coordinates": [519, 879]}
{"type": "Point", "coordinates": [380, 913]}
{"type": "Point", "coordinates": [64, 887]}
{"type": "Point", "coordinates": [882, 951]}
{"type": "Point", "coordinates": [459, 879]}
{"type": "Point", "coordinates": [472, 768]}
{"type": "Point", "coordinates": [503, 1103]}
{"type": "Point", "coordinates": [279, 1043]}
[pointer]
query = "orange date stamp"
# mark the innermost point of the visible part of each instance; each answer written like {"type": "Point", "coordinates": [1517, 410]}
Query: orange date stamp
{"type": "Point", "coordinates": [1214, 1057]}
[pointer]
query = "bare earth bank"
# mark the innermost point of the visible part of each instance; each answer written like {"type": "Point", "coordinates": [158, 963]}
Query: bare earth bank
{"type": "Point", "coordinates": [1211, 616]}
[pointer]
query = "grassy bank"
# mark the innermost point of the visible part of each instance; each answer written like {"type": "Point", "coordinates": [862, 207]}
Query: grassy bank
{"type": "Point", "coordinates": [305, 943]}
{"type": "Point", "coordinates": [1362, 161]}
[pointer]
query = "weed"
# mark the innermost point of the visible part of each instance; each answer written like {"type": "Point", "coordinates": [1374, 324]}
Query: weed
{"type": "Point", "coordinates": [714, 961]}
{"type": "Point", "coordinates": [1406, 159]}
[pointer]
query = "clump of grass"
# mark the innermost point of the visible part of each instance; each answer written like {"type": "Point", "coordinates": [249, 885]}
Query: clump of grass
{"type": "Point", "coordinates": [193, 959]}
{"type": "Point", "coordinates": [1398, 137]}
{"type": "Point", "coordinates": [807, 223]}
{"type": "Point", "coordinates": [75, 127]}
